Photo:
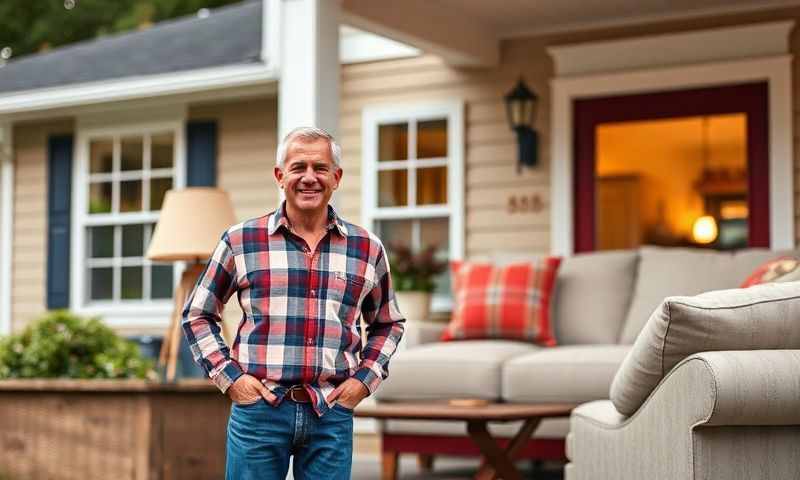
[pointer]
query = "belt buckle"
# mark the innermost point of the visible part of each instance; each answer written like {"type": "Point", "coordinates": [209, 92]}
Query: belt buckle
{"type": "Point", "coordinates": [294, 389]}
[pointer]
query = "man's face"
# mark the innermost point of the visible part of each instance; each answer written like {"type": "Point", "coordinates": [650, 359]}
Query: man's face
{"type": "Point", "coordinates": [308, 176]}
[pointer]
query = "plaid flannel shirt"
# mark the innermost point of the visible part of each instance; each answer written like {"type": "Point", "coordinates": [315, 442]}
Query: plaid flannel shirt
{"type": "Point", "coordinates": [302, 309]}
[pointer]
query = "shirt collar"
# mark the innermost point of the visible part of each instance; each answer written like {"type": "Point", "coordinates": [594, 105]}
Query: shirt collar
{"type": "Point", "coordinates": [280, 219]}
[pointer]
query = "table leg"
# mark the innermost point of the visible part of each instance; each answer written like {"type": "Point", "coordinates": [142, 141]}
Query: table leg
{"type": "Point", "coordinates": [495, 459]}
{"type": "Point", "coordinates": [389, 465]}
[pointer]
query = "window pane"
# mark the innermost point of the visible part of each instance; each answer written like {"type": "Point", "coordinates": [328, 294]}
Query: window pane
{"type": "Point", "coordinates": [161, 155]}
{"type": "Point", "coordinates": [101, 155]}
{"type": "Point", "coordinates": [100, 197]}
{"type": "Point", "coordinates": [393, 142]}
{"type": "Point", "coordinates": [161, 281]}
{"type": "Point", "coordinates": [133, 240]}
{"type": "Point", "coordinates": [132, 154]}
{"type": "Point", "coordinates": [432, 186]}
{"type": "Point", "coordinates": [392, 188]}
{"type": "Point", "coordinates": [394, 232]}
{"type": "Point", "coordinates": [101, 281]}
{"type": "Point", "coordinates": [158, 188]}
{"type": "Point", "coordinates": [432, 139]}
{"type": "Point", "coordinates": [102, 242]}
{"type": "Point", "coordinates": [130, 196]}
{"type": "Point", "coordinates": [131, 283]}
{"type": "Point", "coordinates": [436, 232]}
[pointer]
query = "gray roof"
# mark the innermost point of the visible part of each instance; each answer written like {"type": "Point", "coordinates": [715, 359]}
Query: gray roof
{"type": "Point", "coordinates": [229, 35]}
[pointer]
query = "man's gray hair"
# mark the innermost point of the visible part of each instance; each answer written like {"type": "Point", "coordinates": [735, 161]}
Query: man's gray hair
{"type": "Point", "coordinates": [308, 134]}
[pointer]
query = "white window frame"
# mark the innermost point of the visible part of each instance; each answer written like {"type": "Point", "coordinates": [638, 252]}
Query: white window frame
{"type": "Point", "coordinates": [376, 115]}
{"type": "Point", "coordinates": [145, 313]}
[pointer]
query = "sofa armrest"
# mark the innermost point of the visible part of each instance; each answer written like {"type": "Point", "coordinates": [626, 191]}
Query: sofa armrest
{"type": "Point", "coordinates": [758, 388]}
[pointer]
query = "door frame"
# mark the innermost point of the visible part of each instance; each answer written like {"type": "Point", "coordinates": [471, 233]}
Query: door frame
{"type": "Point", "coordinates": [774, 70]}
{"type": "Point", "coordinates": [750, 99]}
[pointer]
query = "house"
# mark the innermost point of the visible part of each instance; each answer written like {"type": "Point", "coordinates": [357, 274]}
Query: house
{"type": "Point", "coordinates": [93, 134]}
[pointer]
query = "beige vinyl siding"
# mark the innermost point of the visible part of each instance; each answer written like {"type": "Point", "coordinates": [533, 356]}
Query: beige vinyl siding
{"type": "Point", "coordinates": [29, 273]}
{"type": "Point", "coordinates": [490, 154]}
{"type": "Point", "coordinates": [247, 139]}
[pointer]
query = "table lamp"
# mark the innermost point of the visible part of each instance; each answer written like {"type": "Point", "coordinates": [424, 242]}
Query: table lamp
{"type": "Point", "coordinates": [191, 223]}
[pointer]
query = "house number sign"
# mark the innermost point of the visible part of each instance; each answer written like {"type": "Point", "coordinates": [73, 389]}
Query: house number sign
{"type": "Point", "coordinates": [525, 204]}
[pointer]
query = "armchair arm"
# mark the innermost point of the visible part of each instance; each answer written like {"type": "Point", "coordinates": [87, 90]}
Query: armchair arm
{"type": "Point", "coordinates": [728, 388]}
{"type": "Point", "coordinates": [755, 387]}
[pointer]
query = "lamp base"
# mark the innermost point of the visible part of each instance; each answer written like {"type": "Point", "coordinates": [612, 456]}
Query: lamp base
{"type": "Point", "coordinates": [168, 356]}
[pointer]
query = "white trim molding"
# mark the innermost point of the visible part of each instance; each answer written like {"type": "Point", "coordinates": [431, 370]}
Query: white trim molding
{"type": "Point", "coordinates": [6, 225]}
{"type": "Point", "coordinates": [142, 87]}
{"type": "Point", "coordinates": [775, 70]}
{"type": "Point", "coordinates": [719, 44]}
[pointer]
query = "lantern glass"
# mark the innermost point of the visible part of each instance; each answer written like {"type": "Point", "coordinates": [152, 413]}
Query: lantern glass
{"type": "Point", "coordinates": [521, 112]}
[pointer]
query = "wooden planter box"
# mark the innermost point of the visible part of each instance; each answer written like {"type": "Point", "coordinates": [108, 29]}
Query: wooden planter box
{"type": "Point", "coordinates": [111, 429]}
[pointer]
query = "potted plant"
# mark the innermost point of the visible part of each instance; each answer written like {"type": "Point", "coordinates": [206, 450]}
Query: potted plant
{"type": "Point", "coordinates": [413, 276]}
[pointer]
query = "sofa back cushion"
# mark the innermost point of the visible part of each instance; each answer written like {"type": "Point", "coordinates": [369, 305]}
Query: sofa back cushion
{"type": "Point", "coordinates": [760, 317]}
{"type": "Point", "coordinates": [665, 272]}
{"type": "Point", "coordinates": [592, 295]}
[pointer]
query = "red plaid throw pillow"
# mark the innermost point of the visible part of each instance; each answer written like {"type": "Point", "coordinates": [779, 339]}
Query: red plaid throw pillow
{"type": "Point", "coordinates": [781, 269]}
{"type": "Point", "coordinates": [508, 302]}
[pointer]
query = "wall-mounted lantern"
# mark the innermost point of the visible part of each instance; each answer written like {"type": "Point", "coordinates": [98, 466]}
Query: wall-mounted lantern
{"type": "Point", "coordinates": [521, 105]}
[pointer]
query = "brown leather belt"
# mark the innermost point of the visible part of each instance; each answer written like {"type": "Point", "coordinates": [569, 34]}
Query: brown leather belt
{"type": "Point", "coordinates": [298, 394]}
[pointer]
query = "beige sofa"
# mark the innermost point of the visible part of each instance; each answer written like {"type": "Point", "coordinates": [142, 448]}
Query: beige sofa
{"type": "Point", "coordinates": [602, 301]}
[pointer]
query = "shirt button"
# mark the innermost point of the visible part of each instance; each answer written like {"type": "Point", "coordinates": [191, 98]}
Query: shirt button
{"type": "Point", "coordinates": [310, 341]}
{"type": "Point", "coordinates": [313, 293]}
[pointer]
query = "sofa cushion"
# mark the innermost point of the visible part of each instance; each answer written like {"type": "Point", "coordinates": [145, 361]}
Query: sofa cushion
{"type": "Point", "coordinates": [760, 317]}
{"type": "Point", "coordinates": [592, 295]}
{"type": "Point", "coordinates": [569, 374]}
{"type": "Point", "coordinates": [443, 370]}
{"type": "Point", "coordinates": [780, 269]}
{"type": "Point", "coordinates": [510, 302]}
{"type": "Point", "coordinates": [665, 272]}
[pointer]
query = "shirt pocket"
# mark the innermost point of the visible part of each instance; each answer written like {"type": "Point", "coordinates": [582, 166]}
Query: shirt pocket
{"type": "Point", "coordinates": [345, 293]}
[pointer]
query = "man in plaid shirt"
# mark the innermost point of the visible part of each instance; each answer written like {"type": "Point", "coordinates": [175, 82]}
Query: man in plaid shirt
{"type": "Point", "coordinates": [304, 278]}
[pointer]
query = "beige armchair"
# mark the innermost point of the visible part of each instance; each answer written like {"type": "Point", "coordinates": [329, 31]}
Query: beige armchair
{"type": "Point", "coordinates": [731, 411]}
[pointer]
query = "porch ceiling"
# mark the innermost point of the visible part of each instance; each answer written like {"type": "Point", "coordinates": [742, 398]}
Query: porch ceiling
{"type": "Point", "coordinates": [467, 32]}
{"type": "Point", "coordinates": [518, 17]}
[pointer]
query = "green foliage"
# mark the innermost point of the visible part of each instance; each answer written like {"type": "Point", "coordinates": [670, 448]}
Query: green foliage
{"type": "Point", "coordinates": [29, 26]}
{"type": "Point", "coordinates": [414, 272]}
{"type": "Point", "coordinates": [63, 345]}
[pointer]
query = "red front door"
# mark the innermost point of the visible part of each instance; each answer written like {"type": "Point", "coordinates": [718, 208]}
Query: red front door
{"type": "Point", "coordinates": [750, 99]}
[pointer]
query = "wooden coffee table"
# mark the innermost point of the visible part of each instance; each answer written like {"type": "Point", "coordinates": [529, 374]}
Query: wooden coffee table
{"type": "Point", "coordinates": [498, 461]}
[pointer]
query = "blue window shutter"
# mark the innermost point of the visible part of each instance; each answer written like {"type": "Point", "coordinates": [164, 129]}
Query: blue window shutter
{"type": "Point", "coordinates": [201, 154]}
{"type": "Point", "coordinates": [59, 183]}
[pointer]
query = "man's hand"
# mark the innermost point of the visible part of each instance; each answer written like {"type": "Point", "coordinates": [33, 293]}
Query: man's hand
{"type": "Point", "coordinates": [349, 393]}
{"type": "Point", "coordinates": [247, 389]}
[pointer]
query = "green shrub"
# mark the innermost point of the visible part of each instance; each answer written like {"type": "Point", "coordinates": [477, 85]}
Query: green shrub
{"type": "Point", "coordinates": [63, 345]}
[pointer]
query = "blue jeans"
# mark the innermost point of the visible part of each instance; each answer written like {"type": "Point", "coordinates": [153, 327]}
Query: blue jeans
{"type": "Point", "coordinates": [261, 438]}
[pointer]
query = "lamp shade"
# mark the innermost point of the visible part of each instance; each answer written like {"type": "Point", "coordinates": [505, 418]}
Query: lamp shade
{"type": "Point", "coordinates": [190, 225]}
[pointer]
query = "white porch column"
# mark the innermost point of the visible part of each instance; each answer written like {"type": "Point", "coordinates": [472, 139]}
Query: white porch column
{"type": "Point", "coordinates": [308, 94]}
{"type": "Point", "coordinates": [6, 225]}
